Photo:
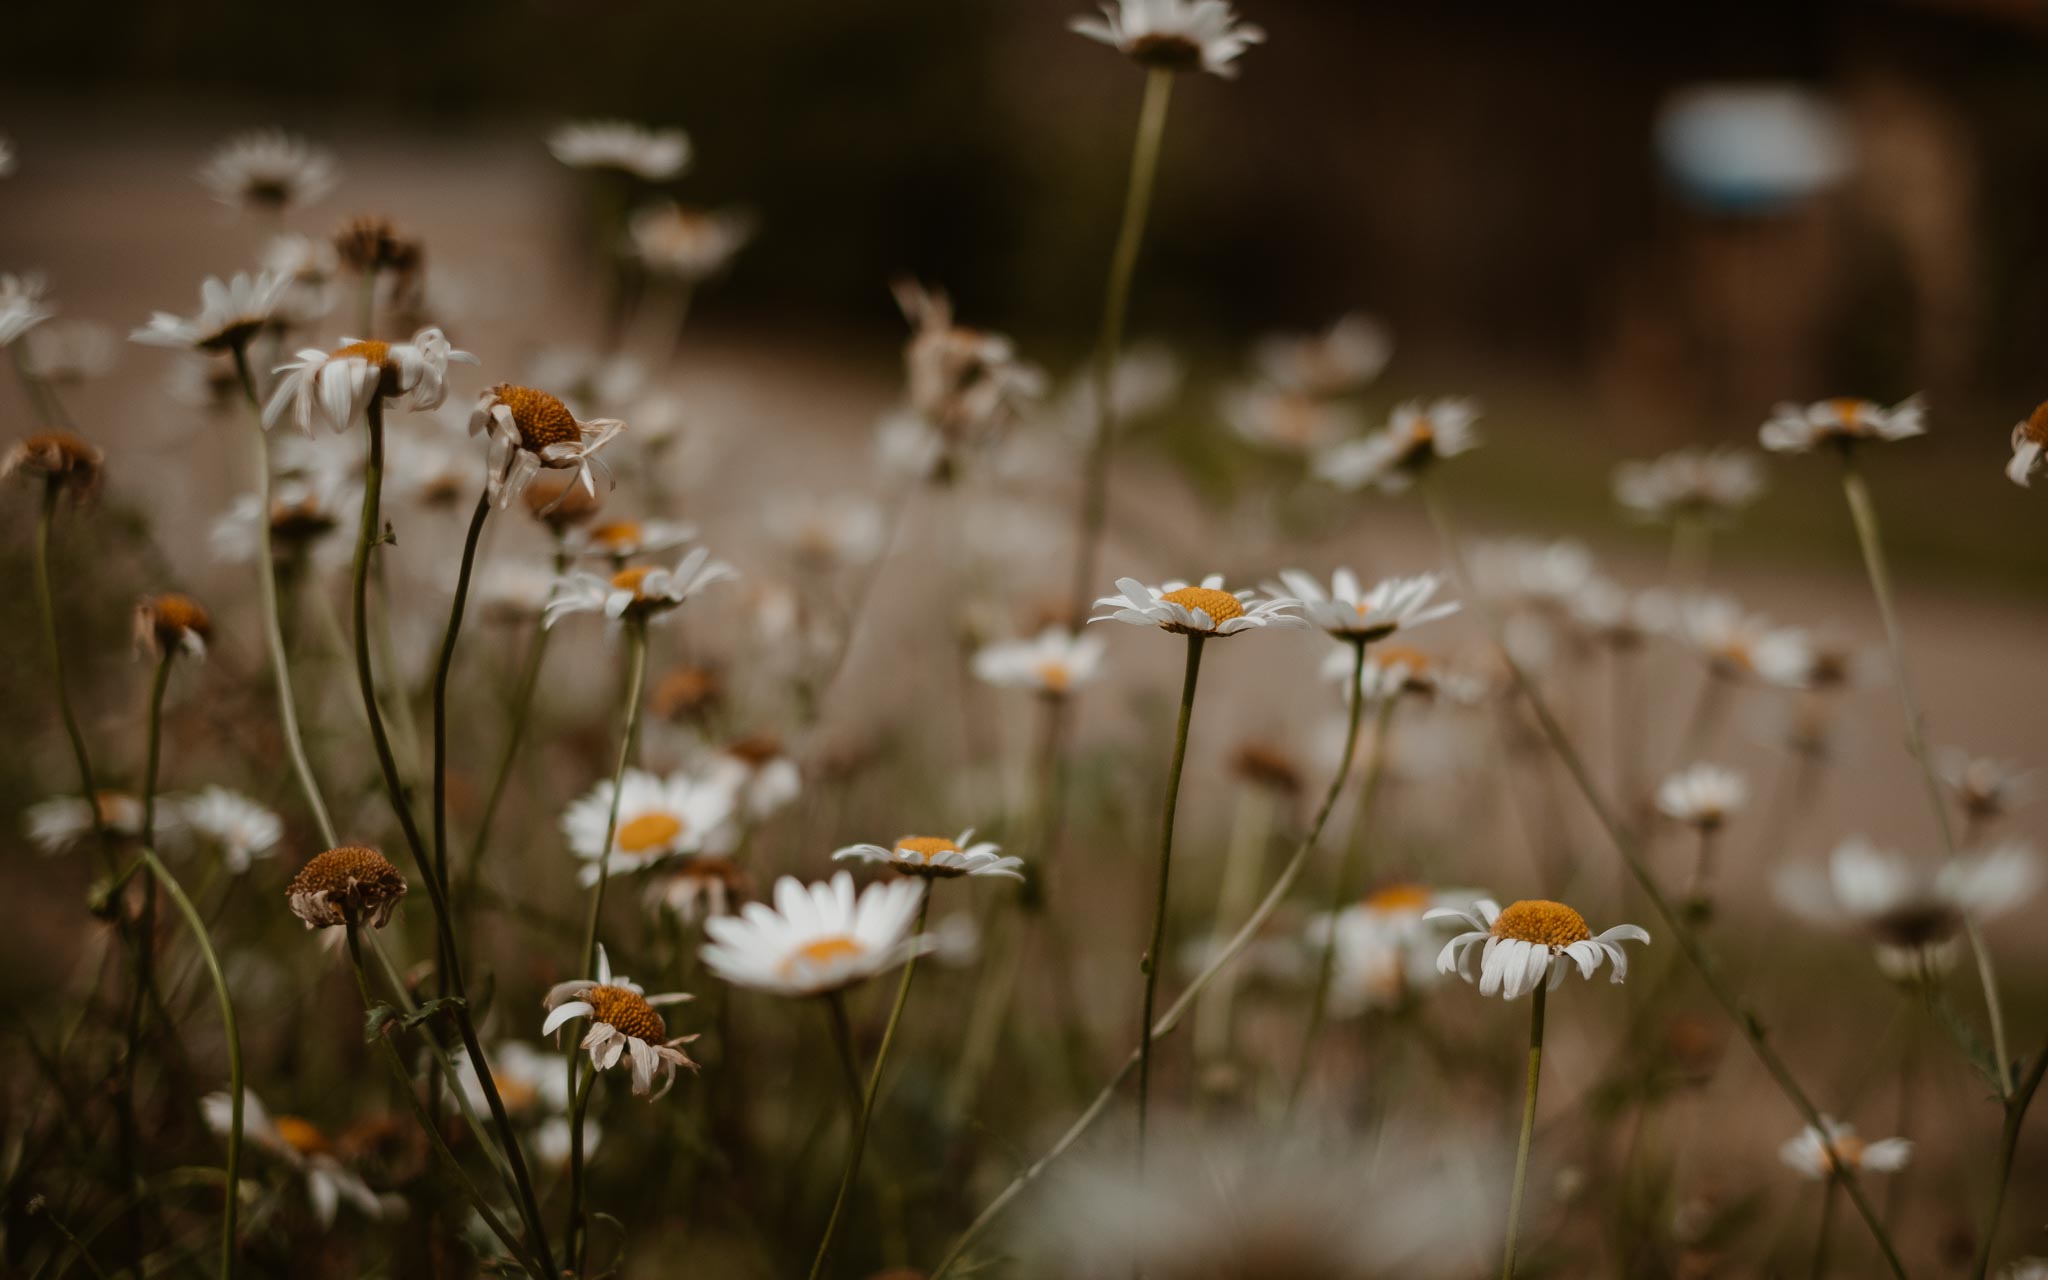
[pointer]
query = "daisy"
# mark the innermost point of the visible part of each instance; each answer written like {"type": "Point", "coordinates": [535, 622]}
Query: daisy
{"type": "Point", "coordinates": [71, 351]}
{"type": "Point", "coordinates": [1736, 643]}
{"type": "Point", "coordinates": [961, 381]}
{"type": "Point", "coordinates": [759, 773]}
{"type": "Point", "coordinates": [345, 885]}
{"type": "Point", "coordinates": [936, 857]}
{"type": "Point", "coordinates": [1339, 361]}
{"type": "Point", "coordinates": [268, 170]}
{"type": "Point", "coordinates": [1286, 421]}
{"type": "Point", "coordinates": [1054, 663]}
{"type": "Point", "coordinates": [1416, 435]}
{"type": "Point", "coordinates": [229, 315]}
{"type": "Point", "coordinates": [658, 818]}
{"type": "Point", "coordinates": [698, 888]}
{"type": "Point", "coordinates": [309, 267]}
{"type": "Point", "coordinates": [1173, 35]}
{"type": "Point", "coordinates": [1525, 573]}
{"type": "Point", "coordinates": [1391, 671]}
{"type": "Point", "coordinates": [654, 155]}
{"type": "Point", "coordinates": [686, 245]}
{"type": "Point", "coordinates": [1698, 483]}
{"type": "Point", "coordinates": [513, 591]}
{"type": "Point", "coordinates": [620, 540]}
{"type": "Point", "coordinates": [1702, 796]}
{"type": "Point", "coordinates": [818, 939]}
{"type": "Point", "coordinates": [1986, 787]}
{"type": "Point", "coordinates": [21, 306]}
{"type": "Point", "coordinates": [307, 1151]}
{"type": "Point", "coordinates": [1145, 379]}
{"type": "Point", "coordinates": [63, 460]}
{"type": "Point", "coordinates": [1206, 610]}
{"type": "Point", "coordinates": [1840, 422]}
{"type": "Point", "coordinates": [826, 532]}
{"type": "Point", "coordinates": [2029, 440]}
{"type": "Point", "coordinates": [371, 245]}
{"type": "Point", "coordinates": [60, 823]}
{"type": "Point", "coordinates": [1516, 946]}
{"type": "Point", "coordinates": [1386, 948]}
{"type": "Point", "coordinates": [530, 431]}
{"type": "Point", "coordinates": [531, 1082]}
{"type": "Point", "coordinates": [171, 623]}
{"type": "Point", "coordinates": [1907, 907]}
{"type": "Point", "coordinates": [623, 1023]}
{"type": "Point", "coordinates": [1348, 613]}
{"type": "Point", "coordinates": [304, 509]}
{"type": "Point", "coordinates": [1809, 1156]}
{"type": "Point", "coordinates": [337, 387]}
{"type": "Point", "coordinates": [239, 827]}
{"type": "Point", "coordinates": [686, 692]}
{"type": "Point", "coordinates": [639, 592]}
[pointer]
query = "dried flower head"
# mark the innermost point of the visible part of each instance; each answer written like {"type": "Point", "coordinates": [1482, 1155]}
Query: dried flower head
{"type": "Point", "coordinates": [963, 383]}
{"type": "Point", "coordinates": [349, 883]}
{"type": "Point", "coordinates": [687, 692]}
{"type": "Point", "coordinates": [171, 623]}
{"type": "Point", "coordinates": [368, 243]}
{"type": "Point", "coordinates": [2029, 447]}
{"type": "Point", "coordinates": [531, 431]}
{"type": "Point", "coordinates": [65, 462]}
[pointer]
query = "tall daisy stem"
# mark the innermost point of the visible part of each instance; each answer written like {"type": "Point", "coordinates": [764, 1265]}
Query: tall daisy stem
{"type": "Point", "coordinates": [441, 672]}
{"type": "Point", "coordinates": [1151, 962]}
{"type": "Point", "coordinates": [1507, 1266]}
{"type": "Point", "coordinates": [1827, 1228]}
{"type": "Point", "coordinates": [865, 1097]}
{"type": "Point", "coordinates": [54, 648]}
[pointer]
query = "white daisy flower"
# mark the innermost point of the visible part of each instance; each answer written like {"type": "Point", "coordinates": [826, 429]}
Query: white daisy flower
{"type": "Point", "coordinates": [554, 1140]}
{"type": "Point", "coordinates": [307, 1151]}
{"type": "Point", "coordinates": [963, 382]}
{"type": "Point", "coordinates": [1808, 1154]}
{"type": "Point", "coordinates": [654, 155]}
{"type": "Point", "coordinates": [1617, 616]}
{"type": "Point", "coordinates": [1695, 483]}
{"type": "Point", "coordinates": [1285, 420]}
{"type": "Point", "coordinates": [1908, 905]}
{"type": "Point", "coordinates": [697, 888]}
{"type": "Point", "coordinates": [936, 857]}
{"type": "Point", "coordinates": [1206, 610]}
{"type": "Point", "coordinates": [239, 827]}
{"type": "Point", "coordinates": [658, 818]}
{"type": "Point", "coordinates": [61, 823]}
{"type": "Point", "coordinates": [336, 387]}
{"type": "Point", "coordinates": [686, 245]}
{"type": "Point", "coordinates": [1055, 662]}
{"type": "Point", "coordinates": [531, 1082]}
{"type": "Point", "coordinates": [1349, 613]}
{"type": "Point", "coordinates": [1391, 671]}
{"type": "Point", "coordinates": [229, 315]}
{"type": "Point", "coordinates": [834, 531]}
{"type": "Point", "coordinates": [2029, 440]}
{"type": "Point", "coordinates": [759, 773]}
{"type": "Point", "coordinates": [1841, 422]}
{"type": "Point", "coordinates": [1386, 948]}
{"type": "Point", "coordinates": [531, 431]}
{"type": "Point", "coordinates": [621, 540]}
{"type": "Point", "coordinates": [817, 939]}
{"type": "Point", "coordinates": [1145, 379]}
{"type": "Point", "coordinates": [623, 1023]}
{"type": "Point", "coordinates": [21, 306]}
{"type": "Point", "coordinates": [641, 591]}
{"type": "Point", "coordinates": [310, 266]}
{"type": "Point", "coordinates": [1985, 787]}
{"type": "Point", "coordinates": [304, 509]}
{"type": "Point", "coordinates": [268, 170]}
{"type": "Point", "coordinates": [514, 590]}
{"type": "Point", "coordinates": [1702, 795]}
{"type": "Point", "coordinates": [1736, 643]}
{"type": "Point", "coordinates": [1173, 35]}
{"type": "Point", "coordinates": [1510, 950]}
{"type": "Point", "coordinates": [1337, 362]}
{"type": "Point", "coordinates": [1417, 435]}
{"type": "Point", "coordinates": [71, 351]}
{"type": "Point", "coordinates": [1525, 573]}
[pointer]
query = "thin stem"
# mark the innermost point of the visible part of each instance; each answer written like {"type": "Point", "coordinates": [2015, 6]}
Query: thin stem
{"type": "Point", "coordinates": [1151, 962]}
{"type": "Point", "coordinates": [1827, 1228]}
{"type": "Point", "coordinates": [522, 708]}
{"type": "Point", "coordinates": [1109, 339]}
{"type": "Point", "coordinates": [54, 648]}
{"type": "Point", "coordinates": [145, 922]}
{"type": "Point", "coordinates": [442, 668]}
{"type": "Point", "coordinates": [636, 673]}
{"type": "Point", "coordinates": [2008, 1146]}
{"type": "Point", "coordinates": [866, 1097]}
{"type": "Point", "coordinates": [1507, 1266]}
{"type": "Point", "coordinates": [578, 1234]}
{"type": "Point", "coordinates": [273, 625]}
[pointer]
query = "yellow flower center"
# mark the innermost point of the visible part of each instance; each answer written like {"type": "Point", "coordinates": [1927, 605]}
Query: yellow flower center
{"type": "Point", "coordinates": [821, 951]}
{"type": "Point", "coordinates": [174, 615]}
{"type": "Point", "coordinates": [516, 1092]}
{"type": "Point", "coordinates": [1545, 923]}
{"type": "Point", "coordinates": [541, 418]}
{"type": "Point", "coordinates": [2036, 426]}
{"type": "Point", "coordinates": [617, 535]}
{"type": "Point", "coordinates": [1848, 409]}
{"type": "Point", "coordinates": [1054, 676]}
{"type": "Point", "coordinates": [1847, 1146]}
{"type": "Point", "coordinates": [113, 806]}
{"type": "Point", "coordinates": [1398, 899]}
{"type": "Point", "coordinates": [626, 1011]}
{"type": "Point", "coordinates": [372, 351]}
{"type": "Point", "coordinates": [648, 833]}
{"type": "Point", "coordinates": [630, 579]}
{"type": "Point", "coordinates": [1387, 656]}
{"type": "Point", "coordinates": [1221, 606]}
{"type": "Point", "coordinates": [926, 847]}
{"type": "Point", "coordinates": [302, 1136]}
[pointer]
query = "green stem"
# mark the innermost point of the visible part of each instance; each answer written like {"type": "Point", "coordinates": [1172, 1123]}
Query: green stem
{"type": "Point", "coordinates": [145, 922]}
{"type": "Point", "coordinates": [1151, 962]}
{"type": "Point", "coordinates": [1507, 1266]}
{"type": "Point", "coordinates": [578, 1234]}
{"type": "Point", "coordinates": [442, 668]}
{"type": "Point", "coordinates": [1827, 1228]}
{"type": "Point", "coordinates": [54, 648]}
{"type": "Point", "coordinates": [2008, 1146]}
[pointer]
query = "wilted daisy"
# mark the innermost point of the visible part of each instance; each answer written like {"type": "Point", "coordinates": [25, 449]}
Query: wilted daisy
{"type": "Point", "coordinates": [1173, 35]}
{"type": "Point", "coordinates": [1055, 662]}
{"type": "Point", "coordinates": [1841, 422]}
{"type": "Point", "coordinates": [1206, 610]}
{"type": "Point", "coordinates": [1286, 420]}
{"type": "Point", "coordinates": [337, 387]}
{"type": "Point", "coordinates": [1986, 788]}
{"type": "Point", "coordinates": [62, 460]}
{"type": "Point", "coordinates": [686, 245]}
{"type": "Point", "coordinates": [655, 155]}
{"type": "Point", "coordinates": [1509, 951]}
{"type": "Point", "coordinates": [233, 823]}
{"type": "Point", "coordinates": [344, 884]}
{"type": "Point", "coordinates": [937, 857]}
{"type": "Point", "coordinates": [1907, 907]}
{"type": "Point", "coordinates": [171, 623]}
{"type": "Point", "coordinates": [961, 381]}
{"type": "Point", "coordinates": [1417, 435]}
{"type": "Point", "coordinates": [305, 1149]}
{"type": "Point", "coordinates": [642, 591]}
{"type": "Point", "coordinates": [530, 431]}
{"type": "Point", "coordinates": [1702, 796]}
{"type": "Point", "coordinates": [625, 539]}
{"type": "Point", "coordinates": [21, 306]}
{"type": "Point", "coordinates": [1808, 1154]}
{"type": "Point", "coordinates": [1348, 612]}
{"type": "Point", "coordinates": [370, 245]}
{"type": "Point", "coordinates": [697, 888]}
{"type": "Point", "coordinates": [759, 773]}
{"type": "Point", "coordinates": [268, 170]}
{"type": "Point", "coordinates": [816, 939]}
{"type": "Point", "coordinates": [229, 315]}
{"type": "Point", "coordinates": [1386, 948]}
{"type": "Point", "coordinates": [1337, 362]}
{"type": "Point", "coordinates": [69, 352]}
{"type": "Point", "coordinates": [658, 818]}
{"type": "Point", "coordinates": [623, 1023]}
{"type": "Point", "coordinates": [827, 532]}
{"type": "Point", "coordinates": [1689, 483]}
{"type": "Point", "coordinates": [2029, 440]}
{"type": "Point", "coordinates": [60, 823]}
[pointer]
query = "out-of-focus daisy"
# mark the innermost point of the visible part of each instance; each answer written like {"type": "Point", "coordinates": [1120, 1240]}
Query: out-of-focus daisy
{"type": "Point", "coordinates": [554, 1138]}
{"type": "Point", "coordinates": [623, 1023]}
{"type": "Point", "coordinates": [624, 539]}
{"type": "Point", "coordinates": [1808, 1154]}
{"type": "Point", "coordinates": [1689, 483]}
{"type": "Point", "coordinates": [1526, 573]}
{"type": "Point", "coordinates": [816, 939]}
{"type": "Point", "coordinates": [344, 884]}
{"type": "Point", "coordinates": [172, 623]}
{"type": "Point", "coordinates": [7, 157]}
{"type": "Point", "coordinates": [698, 888]}
{"type": "Point", "coordinates": [1736, 643]}
{"type": "Point", "coordinates": [827, 532]}
{"type": "Point", "coordinates": [1055, 662]}
{"type": "Point", "coordinates": [962, 381]}
{"type": "Point", "coordinates": [1205, 610]}
{"type": "Point", "coordinates": [531, 1082]}
{"type": "Point", "coordinates": [658, 818]}
{"type": "Point", "coordinates": [1146, 377]}
{"type": "Point", "coordinates": [1418, 434]}
{"type": "Point", "coordinates": [938, 857]}
{"type": "Point", "coordinates": [686, 245]}
{"type": "Point", "coordinates": [1986, 788]}
{"type": "Point", "coordinates": [1392, 671]}
{"type": "Point", "coordinates": [642, 591]}
{"type": "Point", "coordinates": [336, 387]}
{"type": "Point", "coordinates": [21, 306]}
{"type": "Point", "coordinates": [1908, 907]}
{"type": "Point", "coordinates": [61, 460]}
{"type": "Point", "coordinates": [309, 266]}
{"type": "Point", "coordinates": [1173, 35]}
{"type": "Point", "coordinates": [759, 773]}
{"type": "Point", "coordinates": [590, 378]}
{"type": "Point", "coordinates": [229, 315]}
{"type": "Point", "coordinates": [655, 155]}
{"type": "Point", "coordinates": [558, 500]}
{"type": "Point", "coordinates": [1702, 796]}
{"type": "Point", "coordinates": [60, 823]}
{"type": "Point", "coordinates": [687, 692]}
{"type": "Point", "coordinates": [1349, 612]}
{"type": "Point", "coordinates": [1286, 421]}
{"type": "Point", "coordinates": [268, 170]}
{"type": "Point", "coordinates": [2029, 440]}
{"type": "Point", "coordinates": [1840, 422]}
{"type": "Point", "coordinates": [1385, 947]}
{"type": "Point", "coordinates": [1510, 950]}
{"type": "Point", "coordinates": [2025, 1269]}
{"type": "Point", "coordinates": [1336, 362]}
{"type": "Point", "coordinates": [304, 509]}
{"type": "Point", "coordinates": [233, 823]}
{"type": "Point", "coordinates": [513, 590]}
{"type": "Point", "coordinates": [69, 352]}
{"type": "Point", "coordinates": [307, 1151]}
{"type": "Point", "coordinates": [530, 431]}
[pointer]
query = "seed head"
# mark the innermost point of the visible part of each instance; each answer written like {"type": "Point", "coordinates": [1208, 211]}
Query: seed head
{"type": "Point", "coordinates": [626, 1011]}
{"type": "Point", "coordinates": [541, 418]}
{"type": "Point", "coordinates": [351, 882]}
{"type": "Point", "coordinates": [63, 461]}
{"type": "Point", "coordinates": [369, 243]}
{"type": "Point", "coordinates": [171, 622]}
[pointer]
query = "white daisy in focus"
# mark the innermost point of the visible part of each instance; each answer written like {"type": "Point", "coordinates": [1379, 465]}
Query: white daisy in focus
{"type": "Point", "coordinates": [817, 939]}
{"type": "Point", "coordinates": [1911, 909]}
{"type": "Point", "coordinates": [532, 431]}
{"type": "Point", "coordinates": [1205, 610]}
{"type": "Point", "coordinates": [1809, 1156]}
{"type": "Point", "coordinates": [336, 388]}
{"type": "Point", "coordinates": [71, 351]}
{"type": "Point", "coordinates": [233, 823]}
{"type": "Point", "coordinates": [61, 823]}
{"type": "Point", "coordinates": [621, 540]}
{"type": "Point", "coordinates": [1702, 796]}
{"type": "Point", "coordinates": [1510, 950]}
{"type": "Point", "coordinates": [1986, 788]}
{"type": "Point", "coordinates": [653, 155]}
{"type": "Point", "coordinates": [1337, 362]}
{"type": "Point", "coordinates": [642, 591]}
{"type": "Point", "coordinates": [1350, 613]}
{"type": "Point", "coordinates": [1702, 484]}
{"type": "Point", "coordinates": [1173, 35]}
{"type": "Point", "coordinates": [937, 857]}
{"type": "Point", "coordinates": [658, 818]}
{"type": "Point", "coordinates": [684, 244]}
{"type": "Point", "coordinates": [1840, 422]}
{"type": "Point", "coordinates": [2029, 441]}
{"type": "Point", "coordinates": [623, 1023]}
{"type": "Point", "coordinates": [1386, 948]}
{"type": "Point", "coordinates": [229, 315]}
{"type": "Point", "coordinates": [1286, 421]}
{"type": "Point", "coordinates": [269, 171]}
{"type": "Point", "coordinates": [1055, 662]}
{"type": "Point", "coordinates": [21, 306]}
{"type": "Point", "coordinates": [759, 773]}
{"type": "Point", "coordinates": [307, 1151]}
{"type": "Point", "coordinates": [1417, 435]}
{"type": "Point", "coordinates": [830, 532]}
